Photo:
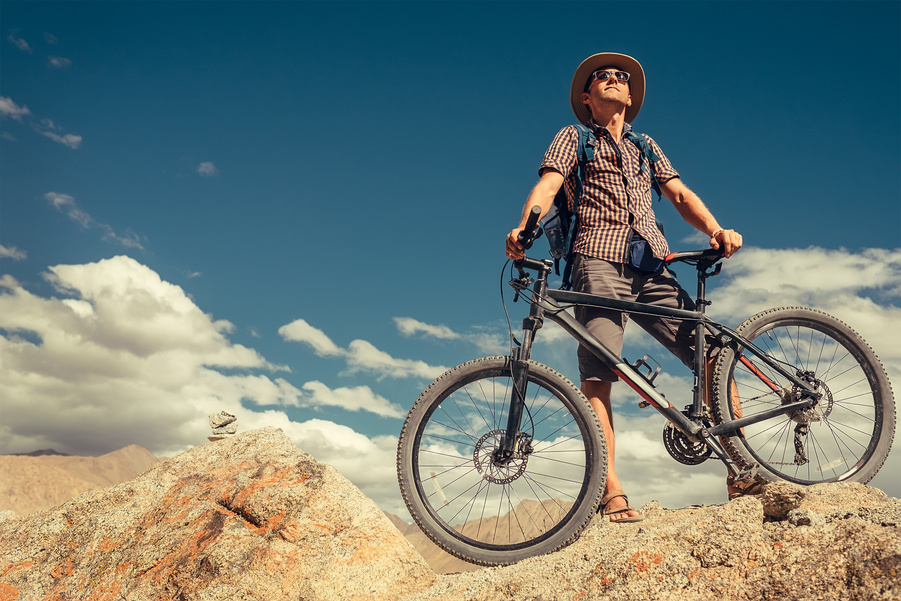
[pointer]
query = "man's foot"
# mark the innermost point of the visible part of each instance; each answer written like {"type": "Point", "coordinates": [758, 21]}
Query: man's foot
{"type": "Point", "coordinates": [615, 505]}
{"type": "Point", "coordinates": [740, 488]}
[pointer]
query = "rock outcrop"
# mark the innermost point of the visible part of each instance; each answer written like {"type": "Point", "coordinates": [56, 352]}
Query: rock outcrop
{"type": "Point", "coordinates": [253, 517]}
{"type": "Point", "coordinates": [249, 517]}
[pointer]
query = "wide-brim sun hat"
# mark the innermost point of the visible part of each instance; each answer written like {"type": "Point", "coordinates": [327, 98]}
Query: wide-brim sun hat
{"type": "Point", "coordinates": [607, 59]}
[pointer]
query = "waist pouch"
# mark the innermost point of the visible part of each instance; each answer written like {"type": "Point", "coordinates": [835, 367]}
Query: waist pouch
{"type": "Point", "coordinates": [641, 256]}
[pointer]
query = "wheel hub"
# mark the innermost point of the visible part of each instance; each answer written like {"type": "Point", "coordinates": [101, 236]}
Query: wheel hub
{"type": "Point", "coordinates": [492, 467]}
{"type": "Point", "coordinates": [819, 411]}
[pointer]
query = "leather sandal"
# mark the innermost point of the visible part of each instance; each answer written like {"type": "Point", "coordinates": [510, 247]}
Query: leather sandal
{"type": "Point", "coordinates": [739, 488]}
{"type": "Point", "coordinates": [605, 511]}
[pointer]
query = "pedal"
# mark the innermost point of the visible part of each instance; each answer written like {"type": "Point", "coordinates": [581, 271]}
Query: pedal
{"type": "Point", "coordinates": [652, 373]}
{"type": "Point", "coordinates": [746, 477]}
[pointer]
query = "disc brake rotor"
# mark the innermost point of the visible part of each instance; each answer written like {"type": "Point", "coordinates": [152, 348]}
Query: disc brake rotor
{"type": "Point", "coordinates": [485, 459]}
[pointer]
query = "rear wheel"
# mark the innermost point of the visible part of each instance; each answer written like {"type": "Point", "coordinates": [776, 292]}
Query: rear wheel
{"type": "Point", "coordinates": [494, 511]}
{"type": "Point", "coordinates": [845, 436]}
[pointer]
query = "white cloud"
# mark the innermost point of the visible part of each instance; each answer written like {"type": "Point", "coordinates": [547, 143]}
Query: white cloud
{"type": "Point", "coordinates": [863, 289]}
{"type": "Point", "coordinates": [357, 398]}
{"type": "Point", "coordinates": [49, 129]}
{"type": "Point", "coordinates": [11, 252]}
{"type": "Point", "coordinates": [300, 331]}
{"type": "Point", "coordinates": [65, 203]}
{"type": "Point", "coordinates": [363, 356]}
{"type": "Point", "coordinates": [409, 327]}
{"type": "Point", "coordinates": [360, 355]}
{"type": "Point", "coordinates": [121, 357]}
{"type": "Point", "coordinates": [487, 342]}
{"type": "Point", "coordinates": [46, 127]}
{"type": "Point", "coordinates": [19, 43]}
{"type": "Point", "coordinates": [59, 62]}
{"type": "Point", "coordinates": [8, 108]}
{"type": "Point", "coordinates": [207, 169]}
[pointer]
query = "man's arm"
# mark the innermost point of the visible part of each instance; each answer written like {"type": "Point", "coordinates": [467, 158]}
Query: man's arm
{"type": "Point", "coordinates": [542, 195]}
{"type": "Point", "coordinates": [696, 214]}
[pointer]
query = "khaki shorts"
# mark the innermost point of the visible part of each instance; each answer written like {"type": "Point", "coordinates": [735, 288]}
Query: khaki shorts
{"type": "Point", "coordinates": [617, 280]}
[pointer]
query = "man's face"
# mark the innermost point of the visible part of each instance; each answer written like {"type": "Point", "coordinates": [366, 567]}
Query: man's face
{"type": "Point", "coordinates": [612, 89]}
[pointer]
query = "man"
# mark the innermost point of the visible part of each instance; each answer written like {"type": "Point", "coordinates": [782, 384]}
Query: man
{"type": "Point", "coordinates": [615, 210]}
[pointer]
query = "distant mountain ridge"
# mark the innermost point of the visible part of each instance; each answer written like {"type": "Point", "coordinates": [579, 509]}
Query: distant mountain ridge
{"type": "Point", "coordinates": [38, 453]}
{"type": "Point", "coordinates": [31, 482]}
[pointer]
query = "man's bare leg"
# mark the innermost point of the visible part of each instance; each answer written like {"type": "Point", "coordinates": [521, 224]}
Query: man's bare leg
{"type": "Point", "coordinates": [598, 394]}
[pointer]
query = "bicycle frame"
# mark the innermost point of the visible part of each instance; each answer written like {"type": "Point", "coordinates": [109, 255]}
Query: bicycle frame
{"type": "Point", "coordinates": [545, 303]}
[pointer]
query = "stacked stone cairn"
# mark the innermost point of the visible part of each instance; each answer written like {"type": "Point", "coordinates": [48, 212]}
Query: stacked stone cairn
{"type": "Point", "coordinates": [223, 425]}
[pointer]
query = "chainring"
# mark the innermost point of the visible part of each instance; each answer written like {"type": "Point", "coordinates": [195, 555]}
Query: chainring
{"type": "Point", "coordinates": [682, 449]}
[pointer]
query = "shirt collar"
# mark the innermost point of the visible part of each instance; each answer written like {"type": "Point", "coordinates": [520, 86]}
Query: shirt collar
{"type": "Point", "coordinates": [627, 127]}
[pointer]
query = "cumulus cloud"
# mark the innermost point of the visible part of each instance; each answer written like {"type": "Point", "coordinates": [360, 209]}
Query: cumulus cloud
{"type": "Point", "coordinates": [11, 252]}
{"type": "Point", "coordinates": [64, 203]}
{"type": "Point", "coordinates": [300, 331]}
{"type": "Point", "coordinates": [207, 169]}
{"type": "Point", "coordinates": [409, 327]}
{"type": "Point", "coordinates": [487, 342]}
{"type": "Point", "coordinates": [118, 356]}
{"type": "Point", "coordinates": [357, 398]}
{"type": "Point", "coordinates": [360, 355]}
{"type": "Point", "coordinates": [861, 288]}
{"type": "Point", "coordinates": [8, 108]}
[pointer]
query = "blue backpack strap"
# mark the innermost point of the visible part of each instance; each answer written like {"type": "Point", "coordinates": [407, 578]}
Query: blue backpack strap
{"type": "Point", "coordinates": [646, 153]}
{"type": "Point", "coordinates": [584, 155]}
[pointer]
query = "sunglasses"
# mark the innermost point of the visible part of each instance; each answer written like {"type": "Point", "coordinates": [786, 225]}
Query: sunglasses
{"type": "Point", "coordinates": [604, 75]}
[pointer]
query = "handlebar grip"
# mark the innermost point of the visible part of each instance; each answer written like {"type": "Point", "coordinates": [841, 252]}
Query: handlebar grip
{"type": "Point", "coordinates": [528, 234]}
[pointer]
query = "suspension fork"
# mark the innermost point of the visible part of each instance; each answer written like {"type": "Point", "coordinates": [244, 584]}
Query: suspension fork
{"type": "Point", "coordinates": [519, 366]}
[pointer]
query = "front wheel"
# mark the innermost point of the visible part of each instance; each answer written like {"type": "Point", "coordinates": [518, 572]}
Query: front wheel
{"type": "Point", "coordinates": [490, 510]}
{"type": "Point", "coordinates": [845, 436]}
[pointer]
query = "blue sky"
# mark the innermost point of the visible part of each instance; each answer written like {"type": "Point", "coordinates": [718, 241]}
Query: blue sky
{"type": "Point", "coordinates": [296, 211]}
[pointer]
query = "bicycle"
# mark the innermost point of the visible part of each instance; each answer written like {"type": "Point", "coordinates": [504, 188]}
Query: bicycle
{"type": "Point", "coordinates": [502, 458]}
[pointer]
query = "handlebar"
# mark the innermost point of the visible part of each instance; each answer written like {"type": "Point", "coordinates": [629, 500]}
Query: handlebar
{"type": "Point", "coordinates": [530, 232]}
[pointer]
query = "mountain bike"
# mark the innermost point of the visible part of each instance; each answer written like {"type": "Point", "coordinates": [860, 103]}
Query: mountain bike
{"type": "Point", "coordinates": [502, 458]}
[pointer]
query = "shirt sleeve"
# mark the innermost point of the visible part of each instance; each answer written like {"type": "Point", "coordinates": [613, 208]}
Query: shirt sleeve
{"type": "Point", "coordinates": [561, 156]}
{"type": "Point", "coordinates": [664, 169]}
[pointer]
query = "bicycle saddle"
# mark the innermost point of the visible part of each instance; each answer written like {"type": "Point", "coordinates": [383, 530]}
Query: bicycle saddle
{"type": "Point", "coordinates": [710, 255]}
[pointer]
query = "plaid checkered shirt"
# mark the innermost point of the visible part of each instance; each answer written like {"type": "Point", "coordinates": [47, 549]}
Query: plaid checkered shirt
{"type": "Point", "coordinates": [616, 192]}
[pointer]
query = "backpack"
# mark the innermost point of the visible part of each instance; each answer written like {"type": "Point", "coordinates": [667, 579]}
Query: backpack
{"type": "Point", "coordinates": [560, 224]}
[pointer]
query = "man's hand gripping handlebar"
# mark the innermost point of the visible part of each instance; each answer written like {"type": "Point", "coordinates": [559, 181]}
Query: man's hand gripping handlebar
{"type": "Point", "coordinates": [520, 239]}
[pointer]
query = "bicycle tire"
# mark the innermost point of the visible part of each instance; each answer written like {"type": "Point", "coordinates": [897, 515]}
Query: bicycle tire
{"type": "Point", "coordinates": [491, 514]}
{"type": "Point", "coordinates": [847, 436]}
